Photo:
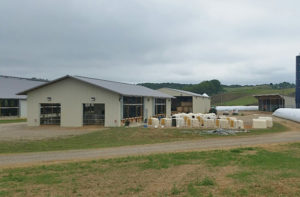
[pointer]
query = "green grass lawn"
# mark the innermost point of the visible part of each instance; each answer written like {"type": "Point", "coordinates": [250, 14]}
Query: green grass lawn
{"type": "Point", "coordinates": [244, 95]}
{"type": "Point", "coordinates": [12, 120]}
{"type": "Point", "coordinates": [269, 171]}
{"type": "Point", "coordinates": [115, 137]}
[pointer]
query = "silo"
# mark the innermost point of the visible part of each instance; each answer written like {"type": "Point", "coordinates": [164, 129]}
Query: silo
{"type": "Point", "coordinates": [298, 81]}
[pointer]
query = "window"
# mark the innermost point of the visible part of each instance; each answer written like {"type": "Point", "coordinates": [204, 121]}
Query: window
{"type": "Point", "coordinates": [133, 107]}
{"type": "Point", "coordinates": [160, 107]}
{"type": "Point", "coordinates": [9, 107]}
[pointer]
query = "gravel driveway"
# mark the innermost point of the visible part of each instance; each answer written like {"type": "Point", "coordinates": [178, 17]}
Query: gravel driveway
{"type": "Point", "coordinates": [20, 131]}
{"type": "Point", "coordinates": [24, 159]}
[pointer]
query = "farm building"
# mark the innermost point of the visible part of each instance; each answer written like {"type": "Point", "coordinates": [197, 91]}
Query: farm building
{"type": "Point", "coordinates": [271, 102]}
{"type": "Point", "coordinates": [187, 102]}
{"type": "Point", "coordinates": [74, 101]}
{"type": "Point", "coordinates": [12, 105]}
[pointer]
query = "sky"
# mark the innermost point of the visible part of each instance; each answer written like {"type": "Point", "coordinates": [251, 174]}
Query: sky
{"type": "Point", "coordinates": [234, 41]}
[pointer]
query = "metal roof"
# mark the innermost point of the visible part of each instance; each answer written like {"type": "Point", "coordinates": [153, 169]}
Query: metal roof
{"type": "Point", "coordinates": [124, 89]}
{"type": "Point", "coordinates": [272, 95]}
{"type": "Point", "coordinates": [189, 93]}
{"type": "Point", "coordinates": [10, 86]}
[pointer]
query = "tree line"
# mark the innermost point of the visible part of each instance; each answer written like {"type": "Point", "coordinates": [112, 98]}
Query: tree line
{"type": "Point", "coordinates": [209, 87]}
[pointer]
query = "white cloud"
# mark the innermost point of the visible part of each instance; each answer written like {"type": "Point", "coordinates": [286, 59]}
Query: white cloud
{"type": "Point", "coordinates": [237, 42]}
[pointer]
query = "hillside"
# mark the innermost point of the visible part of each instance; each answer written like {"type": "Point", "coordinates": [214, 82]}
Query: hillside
{"type": "Point", "coordinates": [229, 95]}
{"type": "Point", "coordinates": [209, 87]}
{"type": "Point", "coordinates": [244, 95]}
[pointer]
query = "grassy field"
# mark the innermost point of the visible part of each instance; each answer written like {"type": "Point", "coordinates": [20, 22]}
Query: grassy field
{"type": "Point", "coordinates": [12, 121]}
{"type": "Point", "coordinates": [115, 137]}
{"type": "Point", "coordinates": [269, 171]}
{"type": "Point", "coordinates": [244, 95]}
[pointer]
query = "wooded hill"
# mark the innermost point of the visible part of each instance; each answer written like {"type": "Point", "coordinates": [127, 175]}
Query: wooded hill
{"type": "Point", "coordinates": [230, 94]}
{"type": "Point", "coordinates": [209, 87]}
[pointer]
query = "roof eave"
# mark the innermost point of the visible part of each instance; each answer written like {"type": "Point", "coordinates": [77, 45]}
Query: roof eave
{"type": "Point", "coordinates": [71, 77]}
{"type": "Point", "coordinates": [43, 85]}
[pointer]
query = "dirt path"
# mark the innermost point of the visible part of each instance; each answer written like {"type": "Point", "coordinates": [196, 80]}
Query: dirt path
{"type": "Point", "coordinates": [20, 131]}
{"type": "Point", "coordinates": [24, 159]}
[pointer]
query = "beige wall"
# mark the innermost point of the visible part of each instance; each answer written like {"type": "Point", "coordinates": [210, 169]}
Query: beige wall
{"type": "Point", "coordinates": [290, 102]}
{"type": "Point", "coordinates": [148, 107]}
{"type": "Point", "coordinates": [207, 104]}
{"type": "Point", "coordinates": [23, 108]}
{"type": "Point", "coordinates": [168, 107]}
{"type": "Point", "coordinates": [71, 94]}
{"type": "Point", "coordinates": [201, 104]}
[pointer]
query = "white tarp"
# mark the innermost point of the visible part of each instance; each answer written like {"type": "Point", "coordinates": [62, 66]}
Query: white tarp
{"type": "Point", "coordinates": [239, 108]}
{"type": "Point", "coordinates": [288, 113]}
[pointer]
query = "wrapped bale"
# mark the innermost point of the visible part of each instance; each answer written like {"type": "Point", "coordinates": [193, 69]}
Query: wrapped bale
{"type": "Point", "coordinates": [269, 121]}
{"type": "Point", "coordinates": [259, 124]}
{"type": "Point", "coordinates": [288, 113]}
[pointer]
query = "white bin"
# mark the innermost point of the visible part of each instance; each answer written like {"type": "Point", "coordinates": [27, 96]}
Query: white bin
{"type": "Point", "coordinates": [166, 122]}
{"type": "Point", "coordinates": [180, 122]}
{"type": "Point", "coordinates": [153, 122]}
{"type": "Point", "coordinates": [209, 123]}
{"type": "Point", "coordinates": [240, 124]}
{"type": "Point", "coordinates": [224, 124]}
{"type": "Point", "coordinates": [195, 123]}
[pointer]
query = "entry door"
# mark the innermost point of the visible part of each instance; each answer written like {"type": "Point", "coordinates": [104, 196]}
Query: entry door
{"type": "Point", "coordinates": [93, 114]}
{"type": "Point", "coordinates": [50, 114]}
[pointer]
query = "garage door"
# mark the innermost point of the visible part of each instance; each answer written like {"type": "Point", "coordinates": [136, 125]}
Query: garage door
{"type": "Point", "coordinates": [93, 114]}
{"type": "Point", "coordinates": [50, 114]}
